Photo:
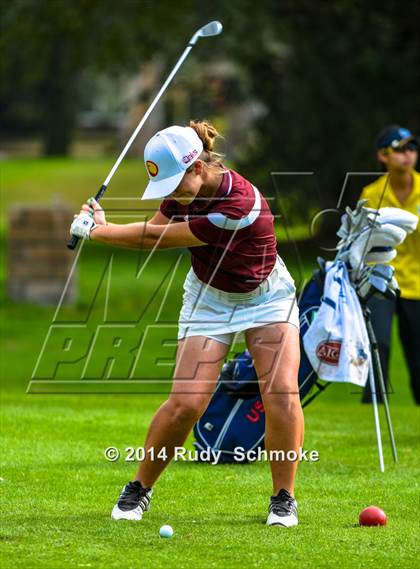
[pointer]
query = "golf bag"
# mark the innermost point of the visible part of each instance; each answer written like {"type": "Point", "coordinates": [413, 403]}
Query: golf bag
{"type": "Point", "coordinates": [235, 415]}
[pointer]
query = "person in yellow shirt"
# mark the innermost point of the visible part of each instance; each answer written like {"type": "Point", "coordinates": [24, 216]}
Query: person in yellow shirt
{"type": "Point", "coordinates": [397, 152]}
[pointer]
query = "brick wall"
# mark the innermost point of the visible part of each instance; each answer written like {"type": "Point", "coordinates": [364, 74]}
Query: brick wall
{"type": "Point", "coordinates": [38, 260]}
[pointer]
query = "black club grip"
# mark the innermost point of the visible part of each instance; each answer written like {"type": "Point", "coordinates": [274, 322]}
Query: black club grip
{"type": "Point", "coordinates": [72, 242]}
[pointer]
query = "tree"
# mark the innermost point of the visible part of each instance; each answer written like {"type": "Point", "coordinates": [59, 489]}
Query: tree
{"type": "Point", "coordinates": [46, 44]}
{"type": "Point", "coordinates": [330, 75]}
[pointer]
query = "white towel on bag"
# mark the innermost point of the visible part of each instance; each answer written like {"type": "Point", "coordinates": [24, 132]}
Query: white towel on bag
{"type": "Point", "coordinates": [337, 343]}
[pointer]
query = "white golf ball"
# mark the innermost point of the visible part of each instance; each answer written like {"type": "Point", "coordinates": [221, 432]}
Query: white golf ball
{"type": "Point", "coordinates": [166, 531]}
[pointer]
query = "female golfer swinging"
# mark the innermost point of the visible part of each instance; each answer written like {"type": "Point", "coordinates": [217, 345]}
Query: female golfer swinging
{"type": "Point", "coordinates": [237, 284]}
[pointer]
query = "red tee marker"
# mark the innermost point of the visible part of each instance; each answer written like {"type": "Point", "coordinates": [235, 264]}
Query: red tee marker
{"type": "Point", "coordinates": [372, 516]}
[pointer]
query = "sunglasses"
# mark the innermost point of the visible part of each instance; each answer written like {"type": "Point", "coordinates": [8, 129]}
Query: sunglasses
{"type": "Point", "coordinates": [401, 149]}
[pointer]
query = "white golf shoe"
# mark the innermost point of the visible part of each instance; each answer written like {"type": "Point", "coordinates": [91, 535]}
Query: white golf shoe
{"type": "Point", "coordinates": [132, 503]}
{"type": "Point", "coordinates": [282, 510]}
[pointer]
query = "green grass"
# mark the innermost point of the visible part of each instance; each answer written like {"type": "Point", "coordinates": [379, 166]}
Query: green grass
{"type": "Point", "coordinates": [58, 490]}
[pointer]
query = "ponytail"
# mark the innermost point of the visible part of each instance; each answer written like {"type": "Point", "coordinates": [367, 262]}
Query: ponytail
{"type": "Point", "coordinates": [208, 135]}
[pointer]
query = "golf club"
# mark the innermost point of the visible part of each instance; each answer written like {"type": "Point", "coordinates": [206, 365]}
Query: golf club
{"type": "Point", "coordinates": [210, 29]}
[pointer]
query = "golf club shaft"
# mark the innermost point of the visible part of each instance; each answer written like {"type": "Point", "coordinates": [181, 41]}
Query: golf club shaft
{"type": "Point", "coordinates": [378, 368]}
{"type": "Point", "coordinates": [376, 418]}
{"type": "Point", "coordinates": [73, 240]}
{"type": "Point", "coordinates": [146, 116]}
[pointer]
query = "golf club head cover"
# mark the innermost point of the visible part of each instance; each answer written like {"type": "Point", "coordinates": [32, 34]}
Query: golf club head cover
{"type": "Point", "coordinates": [386, 235]}
{"type": "Point", "coordinates": [395, 216]}
{"type": "Point", "coordinates": [377, 279]}
{"type": "Point", "coordinates": [381, 255]}
{"type": "Point", "coordinates": [355, 222]}
{"type": "Point", "coordinates": [384, 271]}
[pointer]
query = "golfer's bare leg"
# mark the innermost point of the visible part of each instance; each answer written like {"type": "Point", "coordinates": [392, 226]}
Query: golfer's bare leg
{"type": "Point", "coordinates": [276, 354]}
{"type": "Point", "coordinates": [199, 360]}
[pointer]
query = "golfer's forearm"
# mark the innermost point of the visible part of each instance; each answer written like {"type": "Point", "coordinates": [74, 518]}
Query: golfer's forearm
{"type": "Point", "coordinates": [131, 235]}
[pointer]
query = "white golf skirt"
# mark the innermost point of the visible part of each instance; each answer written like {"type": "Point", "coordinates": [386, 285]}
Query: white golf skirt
{"type": "Point", "coordinates": [210, 312]}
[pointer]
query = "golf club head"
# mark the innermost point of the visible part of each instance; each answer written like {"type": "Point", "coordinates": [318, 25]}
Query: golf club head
{"type": "Point", "coordinates": [211, 29]}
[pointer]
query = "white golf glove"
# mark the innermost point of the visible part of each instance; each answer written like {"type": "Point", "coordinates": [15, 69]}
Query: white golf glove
{"type": "Point", "coordinates": [82, 225]}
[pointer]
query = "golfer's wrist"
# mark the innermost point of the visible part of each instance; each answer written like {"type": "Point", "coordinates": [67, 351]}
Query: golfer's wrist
{"type": "Point", "coordinates": [99, 232]}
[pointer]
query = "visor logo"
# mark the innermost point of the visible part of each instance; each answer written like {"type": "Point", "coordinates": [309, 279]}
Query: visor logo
{"type": "Point", "coordinates": [329, 352]}
{"type": "Point", "coordinates": [190, 156]}
{"type": "Point", "coordinates": [152, 168]}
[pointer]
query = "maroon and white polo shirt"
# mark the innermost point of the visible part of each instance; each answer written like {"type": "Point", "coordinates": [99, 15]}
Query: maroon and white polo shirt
{"type": "Point", "coordinates": [237, 226]}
